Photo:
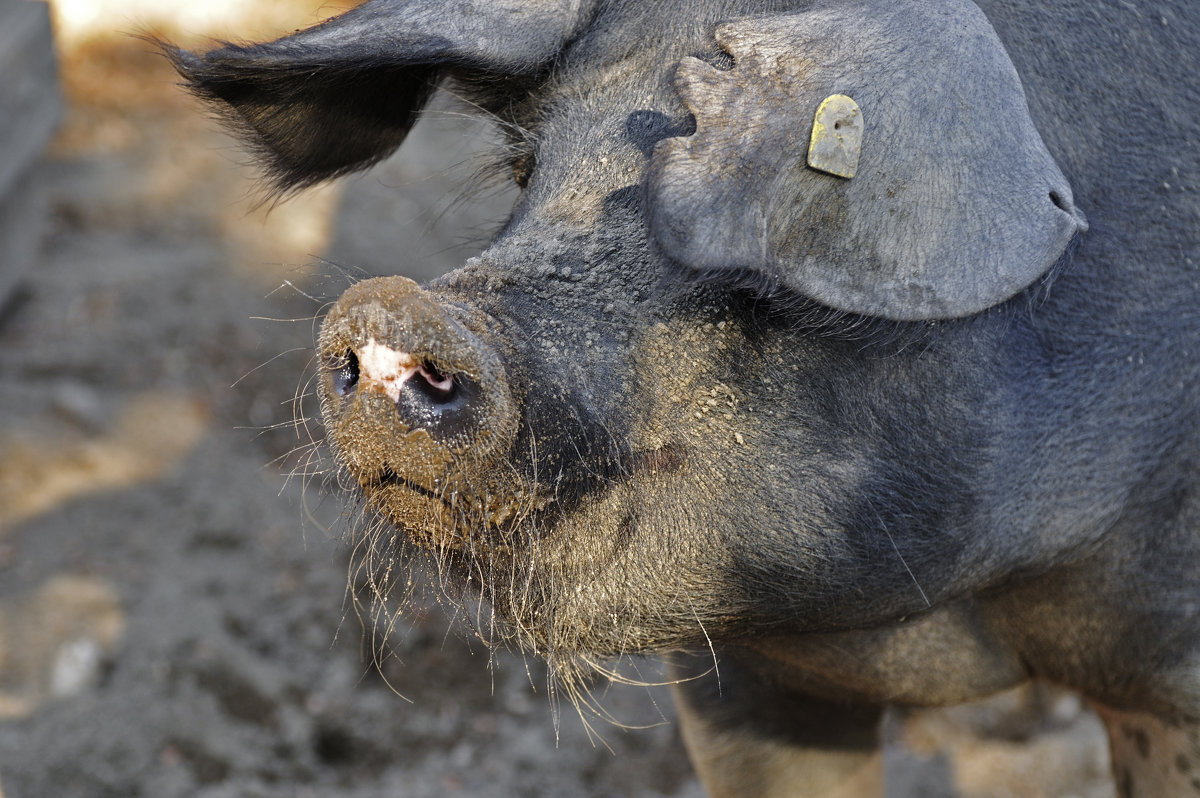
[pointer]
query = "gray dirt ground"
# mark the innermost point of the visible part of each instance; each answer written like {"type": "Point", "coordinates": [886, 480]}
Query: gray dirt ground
{"type": "Point", "coordinates": [174, 618]}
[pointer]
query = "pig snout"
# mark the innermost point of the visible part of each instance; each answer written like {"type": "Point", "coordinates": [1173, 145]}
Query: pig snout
{"type": "Point", "coordinates": [425, 398]}
{"type": "Point", "coordinates": [417, 407]}
{"type": "Point", "coordinates": [382, 368]}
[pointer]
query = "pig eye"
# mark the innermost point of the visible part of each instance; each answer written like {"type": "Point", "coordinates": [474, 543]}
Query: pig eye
{"type": "Point", "coordinates": [345, 373]}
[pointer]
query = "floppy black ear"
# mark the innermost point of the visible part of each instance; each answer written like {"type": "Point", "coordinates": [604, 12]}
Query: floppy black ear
{"type": "Point", "coordinates": [954, 204]}
{"type": "Point", "coordinates": [342, 95]}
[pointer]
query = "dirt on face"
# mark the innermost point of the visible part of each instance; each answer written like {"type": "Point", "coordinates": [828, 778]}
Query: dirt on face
{"type": "Point", "coordinates": [174, 612]}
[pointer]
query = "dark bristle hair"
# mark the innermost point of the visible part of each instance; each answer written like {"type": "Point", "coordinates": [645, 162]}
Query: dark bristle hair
{"type": "Point", "coordinates": [303, 124]}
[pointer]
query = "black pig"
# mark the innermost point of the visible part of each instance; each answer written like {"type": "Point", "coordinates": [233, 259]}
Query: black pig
{"type": "Point", "coordinates": [852, 346]}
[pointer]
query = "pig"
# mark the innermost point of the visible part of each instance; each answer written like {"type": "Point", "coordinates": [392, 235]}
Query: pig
{"type": "Point", "coordinates": [845, 351]}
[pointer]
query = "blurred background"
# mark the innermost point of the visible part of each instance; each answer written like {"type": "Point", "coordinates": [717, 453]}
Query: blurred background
{"type": "Point", "coordinates": [174, 612]}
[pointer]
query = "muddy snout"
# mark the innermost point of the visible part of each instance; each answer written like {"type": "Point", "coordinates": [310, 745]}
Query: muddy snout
{"type": "Point", "coordinates": [412, 392]}
{"type": "Point", "coordinates": [443, 404]}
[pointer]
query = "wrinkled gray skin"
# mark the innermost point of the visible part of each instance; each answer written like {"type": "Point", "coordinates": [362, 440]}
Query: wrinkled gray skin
{"type": "Point", "coordinates": [844, 451]}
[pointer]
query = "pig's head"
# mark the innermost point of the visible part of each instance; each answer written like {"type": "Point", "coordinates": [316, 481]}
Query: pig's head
{"type": "Point", "coordinates": [721, 371]}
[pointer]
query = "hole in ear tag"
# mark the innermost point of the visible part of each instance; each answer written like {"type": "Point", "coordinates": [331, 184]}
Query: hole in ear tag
{"type": "Point", "coordinates": [836, 136]}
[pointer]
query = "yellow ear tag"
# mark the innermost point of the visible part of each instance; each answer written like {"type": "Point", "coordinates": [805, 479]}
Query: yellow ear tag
{"type": "Point", "coordinates": [836, 136]}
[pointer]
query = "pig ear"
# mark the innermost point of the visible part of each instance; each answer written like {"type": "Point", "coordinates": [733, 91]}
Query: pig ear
{"type": "Point", "coordinates": [954, 204]}
{"type": "Point", "coordinates": [342, 95]}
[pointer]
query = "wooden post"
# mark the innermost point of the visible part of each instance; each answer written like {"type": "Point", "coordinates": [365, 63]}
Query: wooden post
{"type": "Point", "coordinates": [30, 108]}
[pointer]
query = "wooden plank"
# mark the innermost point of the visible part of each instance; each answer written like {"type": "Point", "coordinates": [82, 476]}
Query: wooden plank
{"type": "Point", "coordinates": [22, 222]}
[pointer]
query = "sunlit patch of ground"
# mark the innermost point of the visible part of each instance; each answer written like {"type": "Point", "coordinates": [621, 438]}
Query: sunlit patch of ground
{"type": "Point", "coordinates": [152, 433]}
{"type": "Point", "coordinates": [53, 642]}
{"type": "Point", "coordinates": [241, 19]}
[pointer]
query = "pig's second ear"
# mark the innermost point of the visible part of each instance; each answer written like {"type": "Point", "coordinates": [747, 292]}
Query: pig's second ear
{"type": "Point", "coordinates": [342, 95]}
{"type": "Point", "coordinates": [953, 206]}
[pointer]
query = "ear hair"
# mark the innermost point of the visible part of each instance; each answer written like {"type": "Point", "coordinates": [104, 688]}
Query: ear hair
{"type": "Point", "coordinates": [342, 95]}
{"type": "Point", "coordinates": [306, 125]}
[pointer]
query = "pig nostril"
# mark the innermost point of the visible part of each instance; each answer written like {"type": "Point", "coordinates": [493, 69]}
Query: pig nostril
{"type": "Point", "coordinates": [436, 386]}
{"type": "Point", "coordinates": [345, 373]}
{"type": "Point", "coordinates": [447, 406]}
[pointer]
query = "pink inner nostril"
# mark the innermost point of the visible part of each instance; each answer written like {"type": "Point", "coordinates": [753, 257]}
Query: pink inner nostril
{"type": "Point", "coordinates": [436, 379]}
{"type": "Point", "coordinates": [388, 369]}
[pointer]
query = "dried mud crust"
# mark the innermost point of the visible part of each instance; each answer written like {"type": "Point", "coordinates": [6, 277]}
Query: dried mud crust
{"type": "Point", "coordinates": [173, 612]}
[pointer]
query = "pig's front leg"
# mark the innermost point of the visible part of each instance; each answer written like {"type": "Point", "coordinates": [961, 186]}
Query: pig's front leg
{"type": "Point", "coordinates": [748, 734]}
{"type": "Point", "coordinates": [1152, 754]}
